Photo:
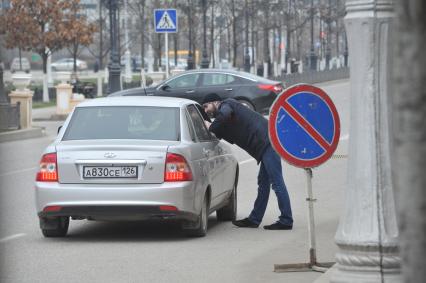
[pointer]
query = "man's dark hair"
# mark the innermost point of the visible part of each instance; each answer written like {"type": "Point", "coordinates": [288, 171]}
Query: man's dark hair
{"type": "Point", "coordinates": [211, 97]}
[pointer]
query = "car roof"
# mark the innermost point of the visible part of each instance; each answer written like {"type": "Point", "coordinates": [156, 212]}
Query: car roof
{"type": "Point", "coordinates": [137, 101]}
{"type": "Point", "coordinates": [129, 91]}
{"type": "Point", "coordinates": [226, 71]}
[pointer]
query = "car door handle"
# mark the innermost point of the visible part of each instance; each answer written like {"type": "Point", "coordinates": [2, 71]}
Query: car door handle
{"type": "Point", "coordinates": [190, 91]}
{"type": "Point", "coordinates": [228, 89]}
{"type": "Point", "coordinates": [206, 152]}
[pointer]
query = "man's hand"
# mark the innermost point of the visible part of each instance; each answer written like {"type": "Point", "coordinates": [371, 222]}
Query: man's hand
{"type": "Point", "coordinates": [207, 123]}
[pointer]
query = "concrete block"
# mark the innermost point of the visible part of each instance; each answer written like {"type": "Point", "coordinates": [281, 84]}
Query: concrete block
{"type": "Point", "coordinates": [25, 97]}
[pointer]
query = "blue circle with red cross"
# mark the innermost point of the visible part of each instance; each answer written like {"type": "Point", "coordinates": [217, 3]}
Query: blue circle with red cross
{"type": "Point", "coordinates": [304, 126]}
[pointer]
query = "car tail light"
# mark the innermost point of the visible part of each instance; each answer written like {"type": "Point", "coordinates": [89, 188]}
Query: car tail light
{"type": "Point", "coordinates": [48, 171]}
{"type": "Point", "coordinates": [52, 208]}
{"type": "Point", "coordinates": [177, 169]}
{"type": "Point", "coordinates": [274, 88]}
{"type": "Point", "coordinates": [168, 208]}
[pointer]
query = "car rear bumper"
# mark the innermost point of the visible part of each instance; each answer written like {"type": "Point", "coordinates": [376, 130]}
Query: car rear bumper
{"type": "Point", "coordinates": [119, 212]}
{"type": "Point", "coordinates": [117, 202]}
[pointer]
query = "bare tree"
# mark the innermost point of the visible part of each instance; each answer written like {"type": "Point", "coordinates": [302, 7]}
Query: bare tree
{"type": "Point", "coordinates": [42, 26]}
{"type": "Point", "coordinates": [81, 32]}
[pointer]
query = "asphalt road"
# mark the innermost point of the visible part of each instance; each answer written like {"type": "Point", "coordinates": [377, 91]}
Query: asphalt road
{"type": "Point", "coordinates": [159, 252]}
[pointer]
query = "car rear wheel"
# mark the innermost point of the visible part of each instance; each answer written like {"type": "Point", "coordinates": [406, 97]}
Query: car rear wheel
{"type": "Point", "coordinates": [55, 227]}
{"type": "Point", "coordinates": [229, 212]}
{"type": "Point", "coordinates": [199, 228]}
{"type": "Point", "coordinates": [246, 103]}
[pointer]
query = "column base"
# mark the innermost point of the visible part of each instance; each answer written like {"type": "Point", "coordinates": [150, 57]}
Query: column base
{"type": "Point", "coordinates": [364, 264]}
{"type": "Point", "coordinates": [362, 274]}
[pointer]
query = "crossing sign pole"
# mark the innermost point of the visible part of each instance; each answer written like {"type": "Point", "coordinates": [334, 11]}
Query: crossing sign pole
{"type": "Point", "coordinates": [166, 47]}
{"type": "Point", "coordinates": [304, 129]}
{"type": "Point", "coordinates": [165, 21]}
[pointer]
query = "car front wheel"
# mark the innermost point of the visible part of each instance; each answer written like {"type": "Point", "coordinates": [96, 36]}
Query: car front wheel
{"type": "Point", "coordinates": [229, 212]}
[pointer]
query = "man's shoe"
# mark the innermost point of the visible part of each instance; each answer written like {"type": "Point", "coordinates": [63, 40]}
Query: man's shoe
{"type": "Point", "coordinates": [246, 223]}
{"type": "Point", "coordinates": [278, 226]}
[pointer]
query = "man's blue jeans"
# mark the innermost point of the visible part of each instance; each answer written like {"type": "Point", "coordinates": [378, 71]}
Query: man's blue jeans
{"type": "Point", "coordinates": [270, 173]}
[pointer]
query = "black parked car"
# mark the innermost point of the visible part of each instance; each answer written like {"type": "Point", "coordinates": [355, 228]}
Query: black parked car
{"type": "Point", "coordinates": [253, 91]}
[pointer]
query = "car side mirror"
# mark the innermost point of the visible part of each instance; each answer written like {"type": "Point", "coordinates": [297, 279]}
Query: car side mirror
{"type": "Point", "coordinates": [59, 129]}
{"type": "Point", "coordinates": [165, 87]}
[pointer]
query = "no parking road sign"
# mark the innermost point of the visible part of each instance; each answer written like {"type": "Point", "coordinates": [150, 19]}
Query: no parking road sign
{"type": "Point", "coordinates": [304, 126]}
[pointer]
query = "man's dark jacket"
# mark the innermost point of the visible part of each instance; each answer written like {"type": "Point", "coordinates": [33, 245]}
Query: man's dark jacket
{"type": "Point", "coordinates": [237, 124]}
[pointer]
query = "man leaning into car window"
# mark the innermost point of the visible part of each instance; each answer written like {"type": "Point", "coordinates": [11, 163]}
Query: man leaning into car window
{"type": "Point", "coordinates": [237, 124]}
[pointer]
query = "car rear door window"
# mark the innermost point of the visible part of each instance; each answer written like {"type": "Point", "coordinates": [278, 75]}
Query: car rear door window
{"type": "Point", "coordinates": [218, 79]}
{"type": "Point", "coordinates": [184, 81]}
{"type": "Point", "coordinates": [124, 122]}
{"type": "Point", "coordinates": [200, 129]}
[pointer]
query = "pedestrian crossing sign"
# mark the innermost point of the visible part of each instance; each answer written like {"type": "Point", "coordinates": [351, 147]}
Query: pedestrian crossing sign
{"type": "Point", "coordinates": [165, 20]}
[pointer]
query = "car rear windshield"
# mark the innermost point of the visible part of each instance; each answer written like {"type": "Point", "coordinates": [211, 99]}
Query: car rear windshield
{"type": "Point", "coordinates": [124, 122]}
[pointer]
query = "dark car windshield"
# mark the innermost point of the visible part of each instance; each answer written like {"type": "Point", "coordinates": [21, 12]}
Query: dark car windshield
{"type": "Point", "coordinates": [124, 122]}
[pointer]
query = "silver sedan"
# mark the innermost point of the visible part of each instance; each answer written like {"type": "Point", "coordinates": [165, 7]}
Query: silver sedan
{"type": "Point", "coordinates": [135, 158]}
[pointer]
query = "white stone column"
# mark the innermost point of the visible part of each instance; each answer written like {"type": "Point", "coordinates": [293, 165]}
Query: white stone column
{"type": "Point", "coordinates": [367, 235]}
{"type": "Point", "coordinates": [409, 135]}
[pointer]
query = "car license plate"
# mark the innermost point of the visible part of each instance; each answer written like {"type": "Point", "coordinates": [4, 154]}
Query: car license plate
{"type": "Point", "coordinates": [110, 172]}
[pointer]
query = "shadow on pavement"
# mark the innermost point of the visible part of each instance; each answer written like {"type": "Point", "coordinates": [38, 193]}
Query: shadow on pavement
{"type": "Point", "coordinates": [155, 231]}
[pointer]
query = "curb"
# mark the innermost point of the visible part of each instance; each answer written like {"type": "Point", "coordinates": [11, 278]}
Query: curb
{"type": "Point", "coordinates": [52, 118]}
{"type": "Point", "coordinates": [30, 133]}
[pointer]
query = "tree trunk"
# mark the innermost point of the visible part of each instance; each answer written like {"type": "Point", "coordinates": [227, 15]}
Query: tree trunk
{"type": "Point", "coordinates": [45, 83]}
{"type": "Point", "coordinates": [74, 57]}
{"type": "Point", "coordinates": [101, 46]}
{"type": "Point", "coordinates": [266, 55]}
{"type": "Point", "coordinates": [337, 38]}
{"type": "Point", "coordinates": [228, 33]}
{"type": "Point", "coordinates": [20, 59]}
{"type": "Point", "coordinates": [142, 20]}
{"type": "Point", "coordinates": [253, 41]}
{"type": "Point", "coordinates": [234, 34]}
{"type": "Point", "coordinates": [212, 37]}
{"type": "Point", "coordinates": [175, 42]}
